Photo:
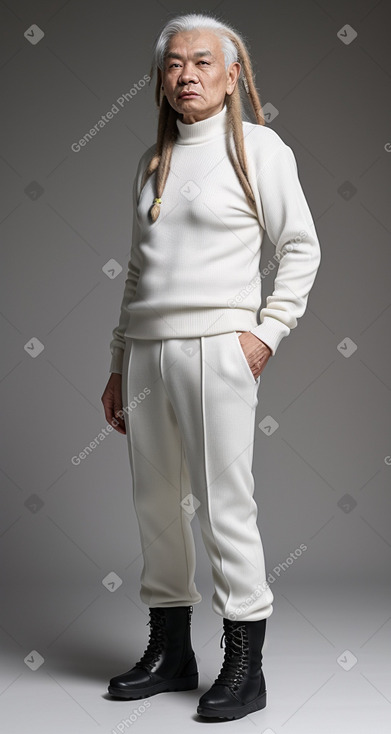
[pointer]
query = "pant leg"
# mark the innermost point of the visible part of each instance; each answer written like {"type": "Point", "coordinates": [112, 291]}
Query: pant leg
{"type": "Point", "coordinates": [160, 480]}
{"type": "Point", "coordinates": [214, 396]}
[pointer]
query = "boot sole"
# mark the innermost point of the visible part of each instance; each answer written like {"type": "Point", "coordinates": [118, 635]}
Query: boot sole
{"type": "Point", "coordinates": [175, 684]}
{"type": "Point", "coordinates": [234, 713]}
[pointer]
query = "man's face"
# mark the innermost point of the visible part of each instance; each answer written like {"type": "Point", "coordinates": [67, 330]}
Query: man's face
{"type": "Point", "coordinates": [195, 61]}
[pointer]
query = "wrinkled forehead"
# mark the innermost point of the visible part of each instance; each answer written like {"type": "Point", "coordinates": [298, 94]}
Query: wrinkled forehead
{"type": "Point", "coordinates": [194, 44]}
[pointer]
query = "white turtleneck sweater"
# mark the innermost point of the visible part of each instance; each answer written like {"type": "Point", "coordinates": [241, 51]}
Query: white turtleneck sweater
{"type": "Point", "coordinates": [196, 270]}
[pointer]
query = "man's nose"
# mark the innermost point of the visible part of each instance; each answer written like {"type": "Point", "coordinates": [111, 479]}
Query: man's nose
{"type": "Point", "coordinates": [187, 74]}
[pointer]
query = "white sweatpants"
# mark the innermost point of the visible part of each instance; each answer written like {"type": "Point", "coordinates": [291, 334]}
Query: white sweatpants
{"type": "Point", "coordinates": [189, 414]}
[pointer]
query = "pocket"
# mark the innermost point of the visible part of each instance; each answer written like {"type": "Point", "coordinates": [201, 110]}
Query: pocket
{"type": "Point", "coordinates": [246, 364]}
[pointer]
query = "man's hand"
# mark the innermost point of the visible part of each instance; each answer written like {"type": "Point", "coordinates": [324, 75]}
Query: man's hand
{"type": "Point", "coordinates": [112, 403]}
{"type": "Point", "coordinates": [256, 352]}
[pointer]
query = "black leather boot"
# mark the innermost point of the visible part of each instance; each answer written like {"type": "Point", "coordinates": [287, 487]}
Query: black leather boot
{"type": "Point", "coordinates": [168, 663]}
{"type": "Point", "coordinates": [240, 687]}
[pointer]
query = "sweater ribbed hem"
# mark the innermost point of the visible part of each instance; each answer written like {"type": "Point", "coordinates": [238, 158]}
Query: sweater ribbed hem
{"type": "Point", "coordinates": [190, 323]}
{"type": "Point", "coordinates": [205, 322]}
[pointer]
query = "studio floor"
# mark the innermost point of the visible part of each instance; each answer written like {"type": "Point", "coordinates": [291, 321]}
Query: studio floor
{"type": "Point", "coordinates": [326, 663]}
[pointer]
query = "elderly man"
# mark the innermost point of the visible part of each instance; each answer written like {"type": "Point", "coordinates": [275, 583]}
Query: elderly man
{"type": "Point", "coordinates": [188, 353]}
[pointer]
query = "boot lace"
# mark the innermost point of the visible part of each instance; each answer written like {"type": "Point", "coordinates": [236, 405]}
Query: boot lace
{"type": "Point", "coordinates": [236, 655]}
{"type": "Point", "coordinates": [156, 639]}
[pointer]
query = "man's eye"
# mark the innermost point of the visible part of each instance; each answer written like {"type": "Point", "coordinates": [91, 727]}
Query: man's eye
{"type": "Point", "coordinates": [177, 64]}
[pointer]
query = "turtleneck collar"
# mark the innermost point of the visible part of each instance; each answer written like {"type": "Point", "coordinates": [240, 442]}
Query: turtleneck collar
{"type": "Point", "coordinates": [203, 130]}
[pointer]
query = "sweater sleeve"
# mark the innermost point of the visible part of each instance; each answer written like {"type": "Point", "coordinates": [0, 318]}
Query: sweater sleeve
{"type": "Point", "coordinates": [290, 228]}
{"type": "Point", "coordinates": [117, 344]}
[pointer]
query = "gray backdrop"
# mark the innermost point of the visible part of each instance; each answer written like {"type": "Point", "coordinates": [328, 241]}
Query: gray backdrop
{"type": "Point", "coordinates": [70, 615]}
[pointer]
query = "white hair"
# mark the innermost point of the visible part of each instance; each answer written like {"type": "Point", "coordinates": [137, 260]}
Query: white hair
{"type": "Point", "coordinates": [190, 22]}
